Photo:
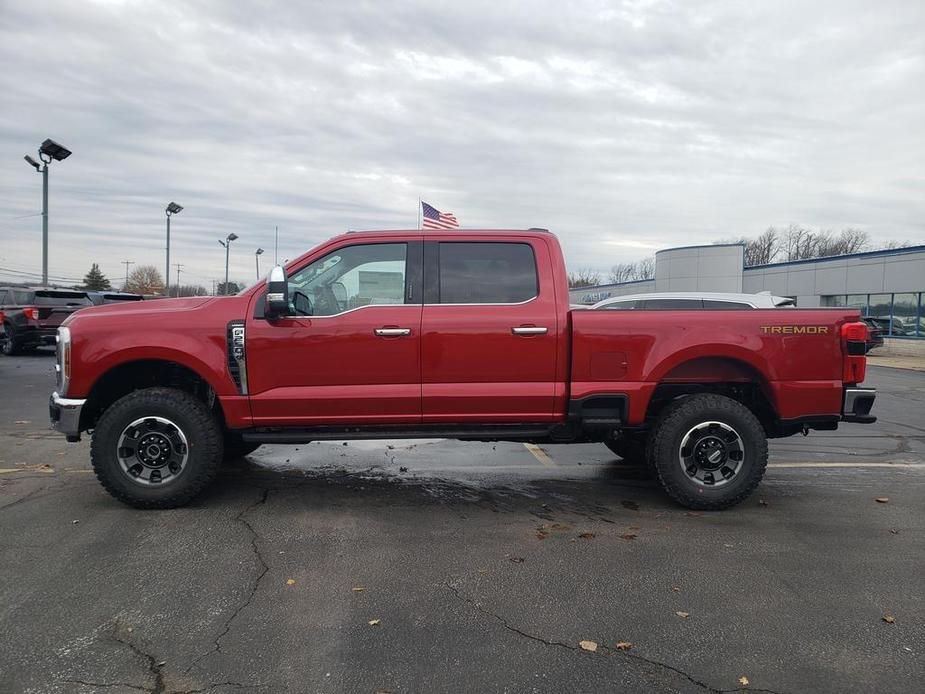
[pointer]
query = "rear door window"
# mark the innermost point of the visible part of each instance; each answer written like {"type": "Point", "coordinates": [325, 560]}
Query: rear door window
{"type": "Point", "coordinates": [486, 273]}
{"type": "Point", "coordinates": [673, 304]}
{"type": "Point", "coordinates": [20, 298]}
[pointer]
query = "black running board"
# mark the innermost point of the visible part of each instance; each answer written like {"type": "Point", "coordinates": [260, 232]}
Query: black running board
{"type": "Point", "coordinates": [474, 432]}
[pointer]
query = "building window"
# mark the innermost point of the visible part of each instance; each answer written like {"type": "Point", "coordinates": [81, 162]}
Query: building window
{"type": "Point", "coordinates": [906, 314]}
{"type": "Point", "coordinates": [858, 301]}
{"type": "Point", "coordinates": [898, 315]}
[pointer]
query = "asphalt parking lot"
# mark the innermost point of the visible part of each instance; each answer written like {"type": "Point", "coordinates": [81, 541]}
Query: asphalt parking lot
{"type": "Point", "coordinates": [444, 566]}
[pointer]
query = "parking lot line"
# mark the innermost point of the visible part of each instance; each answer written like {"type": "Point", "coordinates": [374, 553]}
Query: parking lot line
{"type": "Point", "coordinates": [540, 455]}
{"type": "Point", "coordinates": [847, 464]}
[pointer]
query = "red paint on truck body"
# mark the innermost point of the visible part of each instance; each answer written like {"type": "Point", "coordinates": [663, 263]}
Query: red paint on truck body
{"type": "Point", "coordinates": [462, 363]}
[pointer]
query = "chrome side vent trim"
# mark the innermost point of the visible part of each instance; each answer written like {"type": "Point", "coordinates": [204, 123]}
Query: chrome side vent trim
{"type": "Point", "coordinates": [237, 362]}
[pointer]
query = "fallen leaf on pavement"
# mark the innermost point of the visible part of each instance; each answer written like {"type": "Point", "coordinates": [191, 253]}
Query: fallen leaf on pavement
{"type": "Point", "coordinates": [889, 619]}
{"type": "Point", "coordinates": [628, 536]}
{"type": "Point", "coordinates": [683, 615]}
{"type": "Point", "coordinates": [743, 680]}
{"type": "Point", "coordinates": [694, 513]}
{"type": "Point", "coordinates": [882, 499]}
{"type": "Point", "coordinates": [587, 536]}
{"type": "Point", "coordinates": [358, 589]}
{"type": "Point", "coordinates": [588, 646]}
{"type": "Point", "coordinates": [624, 646]}
{"type": "Point", "coordinates": [676, 589]}
{"type": "Point", "coordinates": [290, 581]}
{"type": "Point", "coordinates": [374, 622]}
{"type": "Point", "coordinates": [517, 560]}
{"type": "Point", "coordinates": [22, 421]}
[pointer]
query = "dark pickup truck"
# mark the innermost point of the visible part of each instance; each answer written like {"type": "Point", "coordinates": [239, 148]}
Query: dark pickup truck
{"type": "Point", "coordinates": [32, 315]}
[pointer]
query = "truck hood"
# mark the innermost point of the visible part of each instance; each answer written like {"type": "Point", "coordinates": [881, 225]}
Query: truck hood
{"type": "Point", "coordinates": [154, 309]}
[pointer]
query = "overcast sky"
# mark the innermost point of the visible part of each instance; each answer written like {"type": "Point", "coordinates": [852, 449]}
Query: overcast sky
{"type": "Point", "coordinates": [623, 127]}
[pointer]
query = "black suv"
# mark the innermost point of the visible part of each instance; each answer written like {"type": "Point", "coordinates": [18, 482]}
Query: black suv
{"type": "Point", "coordinates": [32, 315]}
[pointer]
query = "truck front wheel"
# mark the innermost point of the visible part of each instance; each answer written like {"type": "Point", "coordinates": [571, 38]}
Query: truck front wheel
{"type": "Point", "coordinates": [156, 448]}
{"type": "Point", "coordinates": [710, 451]}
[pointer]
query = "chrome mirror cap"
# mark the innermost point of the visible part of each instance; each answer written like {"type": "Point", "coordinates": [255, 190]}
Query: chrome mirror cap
{"type": "Point", "coordinates": [277, 274]}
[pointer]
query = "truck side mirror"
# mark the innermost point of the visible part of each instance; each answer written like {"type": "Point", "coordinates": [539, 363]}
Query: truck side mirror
{"type": "Point", "coordinates": [277, 299]}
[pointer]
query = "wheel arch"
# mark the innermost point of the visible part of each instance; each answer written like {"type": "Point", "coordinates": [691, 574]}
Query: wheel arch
{"type": "Point", "coordinates": [736, 378]}
{"type": "Point", "coordinates": [135, 374]}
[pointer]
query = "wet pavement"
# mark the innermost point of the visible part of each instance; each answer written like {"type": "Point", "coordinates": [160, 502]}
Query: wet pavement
{"type": "Point", "coordinates": [435, 565]}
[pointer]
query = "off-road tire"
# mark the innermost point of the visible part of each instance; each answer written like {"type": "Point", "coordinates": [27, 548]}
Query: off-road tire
{"type": "Point", "coordinates": [9, 344]}
{"type": "Point", "coordinates": [191, 416]}
{"type": "Point", "coordinates": [631, 449]}
{"type": "Point", "coordinates": [236, 447]}
{"type": "Point", "coordinates": [677, 420]}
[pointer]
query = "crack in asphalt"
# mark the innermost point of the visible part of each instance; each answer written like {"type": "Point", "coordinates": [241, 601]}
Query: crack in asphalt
{"type": "Point", "coordinates": [154, 667]}
{"type": "Point", "coordinates": [263, 569]}
{"type": "Point", "coordinates": [560, 644]}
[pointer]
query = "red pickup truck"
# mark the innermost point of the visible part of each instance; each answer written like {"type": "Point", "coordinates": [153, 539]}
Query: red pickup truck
{"type": "Point", "coordinates": [465, 335]}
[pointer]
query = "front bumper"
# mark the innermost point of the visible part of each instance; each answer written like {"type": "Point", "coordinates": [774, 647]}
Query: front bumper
{"type": "Point", "coordinates": [857, 405]}
{"type": "Point", "coordinates": [65, 415]}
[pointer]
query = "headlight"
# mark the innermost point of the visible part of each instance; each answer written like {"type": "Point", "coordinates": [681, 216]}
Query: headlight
{"type": "Point", "coordinates": [63, 353]}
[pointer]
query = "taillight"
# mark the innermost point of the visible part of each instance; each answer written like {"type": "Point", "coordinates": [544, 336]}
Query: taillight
{"type": "Point", "coordinates": [854, 337]}
{"type": "Point", "coordinates": [31, 313]}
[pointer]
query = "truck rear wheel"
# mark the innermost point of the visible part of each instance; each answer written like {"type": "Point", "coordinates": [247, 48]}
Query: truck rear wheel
{"type": "Point", "coordinates": [156, 448]}
{"type": "Point", "coordinates": [710, 451]}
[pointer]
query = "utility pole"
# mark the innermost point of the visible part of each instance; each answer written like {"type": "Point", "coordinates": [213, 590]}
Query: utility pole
{"type": "Point", "coordinates": [126, 263]}
{"type": "Point", "coordinates": [213, 287]}
{"type": "Point", "coordinates": [178, 266]}
{"type": "Point", "coordinates": [276, 247]}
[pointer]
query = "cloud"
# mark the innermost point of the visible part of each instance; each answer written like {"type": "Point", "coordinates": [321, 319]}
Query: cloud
{"type": "Point", "coordinates": [623, 127]}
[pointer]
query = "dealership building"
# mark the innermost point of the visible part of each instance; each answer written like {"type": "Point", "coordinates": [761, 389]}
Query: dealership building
{"type": "Point", "coordinates": [888, 285]}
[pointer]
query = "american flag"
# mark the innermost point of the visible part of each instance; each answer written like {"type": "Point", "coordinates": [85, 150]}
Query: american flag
{"type": "Point", "coordinates": [435, 219]}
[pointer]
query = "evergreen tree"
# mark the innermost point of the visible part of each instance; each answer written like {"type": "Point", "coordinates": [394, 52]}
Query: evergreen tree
{"type": "Point", "coordinates": [96, 280]}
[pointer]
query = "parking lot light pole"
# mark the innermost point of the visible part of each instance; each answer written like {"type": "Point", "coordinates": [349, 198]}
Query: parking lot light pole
{"type": "Point", "coordinates": [172, 209]}
{"type": "Point", "coordinates": [227, 244]}
{"type": "Point", "coordinates": [49, 150]}
{"type": "Point", "coordinates": [257, 255]}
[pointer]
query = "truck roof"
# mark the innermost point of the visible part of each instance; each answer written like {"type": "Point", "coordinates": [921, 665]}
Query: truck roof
{"type": "Point", "coordinates": [444, 232]}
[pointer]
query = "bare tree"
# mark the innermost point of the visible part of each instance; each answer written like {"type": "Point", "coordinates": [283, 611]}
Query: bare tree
{"type": "Point", "coordinates": [627, 272]}
{"type": "Point", "coordinates": [189, 290]}
{"type": "Point", "coordinates": [583, 277]}
{"type": "Point", "coordinates": [622, 272]}
{"type": "Point", "coordinates": [646, 268]}
{"type": "Point", "coordinates": [145, 279]}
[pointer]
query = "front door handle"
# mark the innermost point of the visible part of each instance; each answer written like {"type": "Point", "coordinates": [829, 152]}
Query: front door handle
{"type": "Point", "coordinates": [392, 332]}
{"type": "Point", "coordinates": [529, 330]}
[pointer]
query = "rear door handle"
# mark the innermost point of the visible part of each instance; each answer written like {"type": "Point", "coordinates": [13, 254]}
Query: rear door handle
{"type": "Point", "coordinates": [529, 330]}
{"type": "Point", "coordinates": [392, 332]}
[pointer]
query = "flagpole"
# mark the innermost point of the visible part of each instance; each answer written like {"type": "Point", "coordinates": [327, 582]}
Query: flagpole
{"type": "Point", "coordinates": [419, 212]}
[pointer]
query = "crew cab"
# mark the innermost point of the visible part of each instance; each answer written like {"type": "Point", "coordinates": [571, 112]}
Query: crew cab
{"type": "Point", "coordinates": [32, 315]}
{"type": "Point", "coordinates": [456, 334]}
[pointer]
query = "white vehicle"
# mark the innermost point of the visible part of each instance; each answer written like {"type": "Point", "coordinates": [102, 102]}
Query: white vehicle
{"type": "Point", "coordinates": [681, 301]}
